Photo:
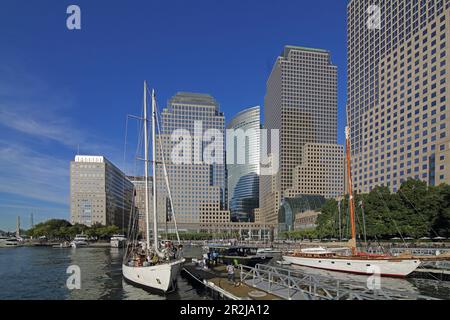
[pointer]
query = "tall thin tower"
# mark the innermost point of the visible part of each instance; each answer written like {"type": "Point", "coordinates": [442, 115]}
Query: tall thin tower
{"type": "Point", "coordinates": [18, 227]}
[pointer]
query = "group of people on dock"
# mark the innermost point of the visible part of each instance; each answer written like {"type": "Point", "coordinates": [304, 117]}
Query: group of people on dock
{"type": "Point", "coordinates": [210, 260]}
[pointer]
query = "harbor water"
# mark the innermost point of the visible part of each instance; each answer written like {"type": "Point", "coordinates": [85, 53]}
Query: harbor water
{"type": "Point", "coordinates": [40, 273]}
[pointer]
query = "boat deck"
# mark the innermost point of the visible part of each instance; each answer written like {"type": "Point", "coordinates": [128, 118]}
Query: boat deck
{"type": "Point", "coordinates": [216, 279]}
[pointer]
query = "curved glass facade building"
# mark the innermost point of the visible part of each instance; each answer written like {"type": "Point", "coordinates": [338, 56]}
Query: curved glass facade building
{"type": "Point", "coordinates": [243, 164]}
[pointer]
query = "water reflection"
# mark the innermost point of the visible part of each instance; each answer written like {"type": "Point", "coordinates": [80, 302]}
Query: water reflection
{"type": "Point", "coordinates": [40, 273]}
{"type": "Point", "coordinates": [397, 284]}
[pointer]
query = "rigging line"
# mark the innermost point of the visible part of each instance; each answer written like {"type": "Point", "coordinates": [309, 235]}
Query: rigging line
{"type": "Point", "coordinates": [167, 181]}
{"type": "Point", "coordinates": [123, 185]}
{"type": "Point", "coordinates": [165, 172]}
{"type": "Point", "coordinates": [138, 147]}
{"type": "Point", "coordinates": [358, 224]}
{"type": "Point", "coordinates": [125, 257]}
{"type": "Point", "coordinates": [379, 245]}
{"type": "Point", "coordinates": [132, 209]}
{"type": "Point", "coordinates": [420, 214]}
{"type": "Point", "coordinates": [124, 169]}
{"type": "Point", "coordinates": [134, 226]}
{"type": "Point", "coordinates": [390, 217]}
{"type": "Point", "coordinates": [130, 225]}
{"type": "Point", "coordinates": [347, 220]}
{"type": "Point", "coordinates": [341, 216]}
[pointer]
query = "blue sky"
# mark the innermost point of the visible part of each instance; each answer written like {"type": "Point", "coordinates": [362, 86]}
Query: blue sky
{"type": "Point", "coordinates": [60, 88]}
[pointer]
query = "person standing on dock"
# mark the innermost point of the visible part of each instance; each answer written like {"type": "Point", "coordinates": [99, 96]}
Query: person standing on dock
{"type": "Point", "coordinates": [230, 271]}
{"type": "Point", "coordinates": [215, 257]}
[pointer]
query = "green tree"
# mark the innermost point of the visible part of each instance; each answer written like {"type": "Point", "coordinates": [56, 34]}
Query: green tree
{"type": "Point", "coordinates": [326, 221]}
{"type": "Point", "coordinates": [421, 204]}
{"type": "Point", "coordinates": [52, 229]}
{"type": "Point", "coordinates": [441, 222]}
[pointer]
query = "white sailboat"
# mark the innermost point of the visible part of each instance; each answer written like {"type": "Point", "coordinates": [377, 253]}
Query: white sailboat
{"type": "Point", "coordinates": [357, 262]}
{"type": "Point", "coordinates": [162, 266]}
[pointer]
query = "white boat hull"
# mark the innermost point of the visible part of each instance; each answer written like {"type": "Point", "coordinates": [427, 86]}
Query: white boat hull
{"type": "Point", "coordinates": [161, 277]}
{"type": "Point", "coordinates": [117, 243]}
{"type": "Point", "coordinates": [78, 244]}
{"type": "Point", "coordinates": [387, 268]}
{"type": "Point", "coordinates": [9, 245]}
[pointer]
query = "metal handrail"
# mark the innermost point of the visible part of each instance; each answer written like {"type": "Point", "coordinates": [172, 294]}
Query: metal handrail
{"type": "Point", "coordinates": [414, 251]}
{"type": "Point", "coordinates": [313, 287]}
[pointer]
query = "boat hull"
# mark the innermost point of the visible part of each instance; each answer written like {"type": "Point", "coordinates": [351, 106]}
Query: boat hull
{"type": "Point", "coordinates": [117, 243]}
{"type": "Point", "coordinates": [161, 277]}
{"type": "Point", "coordinates": [10, 243]}
{"type": "Point", "coordinates": [386, 267]}
{"type": "Point", "coordinates": [79, 244]}
{"type": "Point", "coordinates": [6, 245]}
{"type": "Point", "coordinates": [246, 261]}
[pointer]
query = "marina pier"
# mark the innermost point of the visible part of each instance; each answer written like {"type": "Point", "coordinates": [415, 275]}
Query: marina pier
{"type": "Point", "coordinates": [265, 282]}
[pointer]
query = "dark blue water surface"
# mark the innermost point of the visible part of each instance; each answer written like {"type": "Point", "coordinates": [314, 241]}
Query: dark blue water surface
{"type": "Point", "coordinates": [40, 273]}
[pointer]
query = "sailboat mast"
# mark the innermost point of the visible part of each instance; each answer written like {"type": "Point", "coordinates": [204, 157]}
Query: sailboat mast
{"type": "Point", "coordinates": [350, 191]}
{"type": "Point", "coordinates": [147, 213]}
{"type": "Point", "coordinates": [155, 215]}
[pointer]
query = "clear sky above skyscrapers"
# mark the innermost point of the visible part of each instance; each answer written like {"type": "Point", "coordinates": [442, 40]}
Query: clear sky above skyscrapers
{"type": "Point", "coordinates": [61, 89]}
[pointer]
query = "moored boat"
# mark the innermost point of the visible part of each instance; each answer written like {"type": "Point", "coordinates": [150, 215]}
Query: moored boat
{"type": "Point", "coordinates": [118, 240]}
{"type": "Point", "coordinates": [62, 245]}
{"type": "Point", "coordinates": [268, 252]}
{"type": "Point", "coordinates": [356, 262]}
{"type": "Point", "coordinates": [235, 255]}
{"type": "Point", "coordinates": [161, 277]}
{"type": "Point", "coordinates": [9, 242]}
{"type": "Point", "coordinates": [80, 241]}
{"type": "Point", "coordinates": [388, 266]}
{"type": "Point", "coordinates": [147, 264]}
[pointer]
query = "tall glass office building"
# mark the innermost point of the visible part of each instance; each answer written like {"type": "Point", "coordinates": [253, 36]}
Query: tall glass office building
{"type": "Point", "coordinates": [190, 120]}
{"type": "Point", "coordinates": [301, 102]}
{"type": "Point", "coordinates": [398, 92]}
{"type": "Point", "coordinates": [243, 173]}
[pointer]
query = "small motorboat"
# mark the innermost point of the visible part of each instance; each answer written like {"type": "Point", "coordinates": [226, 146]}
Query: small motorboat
{"type": "Point", "coordinates": [9, 242]}
{"type": "Point", "coordinates": [268, 252]}
{"type": "Point", "coordinates": [236, 255]}
{"type": "Point", "coordinates": [80, 241]}
{"type": "Point", "coordinates": [118, 241]}
{"type": "Point", "coordinates": [63, 245]}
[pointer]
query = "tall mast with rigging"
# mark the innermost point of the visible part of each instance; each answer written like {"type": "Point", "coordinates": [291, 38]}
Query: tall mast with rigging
{"type": "Point", "coordinates": [350, 192]}
{"type": "Point", "coordinates": [155, 215]}
{"type": "Point", "coordinates": [162, 273]}
{"type": "Point", "coordinates": [147, 213]}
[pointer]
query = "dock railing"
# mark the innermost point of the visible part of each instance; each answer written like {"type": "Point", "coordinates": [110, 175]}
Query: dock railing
{"type": "Point", "coordinates": [296, 285]}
